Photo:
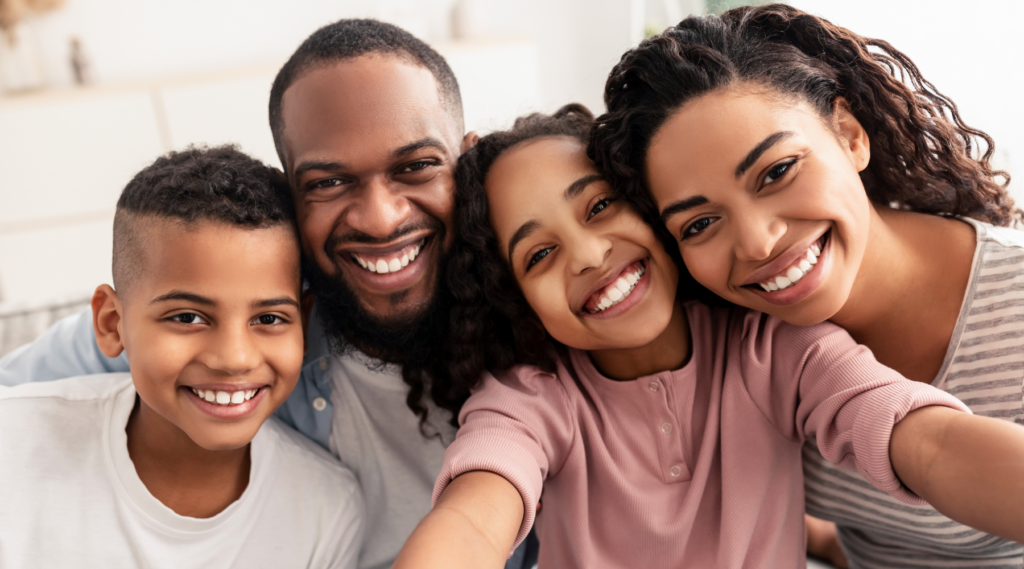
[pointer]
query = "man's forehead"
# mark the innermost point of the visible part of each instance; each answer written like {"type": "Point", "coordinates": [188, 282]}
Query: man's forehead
{"type": "Point", "coordinates": [378, 102]}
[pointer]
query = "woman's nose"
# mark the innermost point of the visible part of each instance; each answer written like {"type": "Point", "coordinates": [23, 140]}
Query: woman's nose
{"type": "Point", "coordinates": [757, 236]}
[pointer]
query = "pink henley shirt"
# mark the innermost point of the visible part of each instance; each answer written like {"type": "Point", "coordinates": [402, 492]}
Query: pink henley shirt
{"type": "Point", "coordinates": [697, 467]}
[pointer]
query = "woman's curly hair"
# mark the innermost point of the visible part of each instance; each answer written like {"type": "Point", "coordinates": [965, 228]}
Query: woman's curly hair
{"type": "Point", "coordinates": [492, 328]}
{"type": "Point", "coordinates": [923, 157]}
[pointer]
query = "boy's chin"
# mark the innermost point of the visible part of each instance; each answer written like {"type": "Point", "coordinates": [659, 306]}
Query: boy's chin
{"type": "Point", "coordinates": [215, 437]}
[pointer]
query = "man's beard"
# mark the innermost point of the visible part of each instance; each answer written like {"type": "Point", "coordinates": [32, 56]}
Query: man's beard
{"type": "Point", "coordinates": [407, 340]}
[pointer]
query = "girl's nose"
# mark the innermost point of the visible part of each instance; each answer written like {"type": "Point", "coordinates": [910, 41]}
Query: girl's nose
{"type": "Point", "coordinates": [589, 251]}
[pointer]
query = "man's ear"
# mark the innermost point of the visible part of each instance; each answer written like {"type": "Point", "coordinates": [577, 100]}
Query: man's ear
{"type": "Point", "coordinates": [106, 321]}
{"type": "Point", "coordinates": [852, 133]}
{"type": "Point", "coordinates": [469, 141]}
{"type": "Point", "coordinates": [307, 309]}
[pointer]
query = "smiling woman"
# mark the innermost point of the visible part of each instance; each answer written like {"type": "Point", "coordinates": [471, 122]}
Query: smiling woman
{"type": "Point", "coordinates": [814, 174]}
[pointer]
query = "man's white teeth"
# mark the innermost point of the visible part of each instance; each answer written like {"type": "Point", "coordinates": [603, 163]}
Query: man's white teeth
{"type": "Point", "coordinates": [224, 397]}
{"type": "Point", "coordinates": [619, 290]}
{"type": "Point", "coordinates": [392, 265]}
{"type": "Point", "coordinates": [793, 274]}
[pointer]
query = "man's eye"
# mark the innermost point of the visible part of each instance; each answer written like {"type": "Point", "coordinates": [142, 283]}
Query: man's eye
{"type": "Point", "coordinates": [778, 171]}
{"type": "Point", "coordinates": [600, 206]}
{"type": "Point", "coordinates": [325, 183]}
{"type": "Point", "coordinates": [415, 166]}
{"type": "Point", "coordinates": [188, 318]}
{"type": "Point", "coordinates": [269, 319]}
{"type": "Point", "coordinates": [696, 227]}
{"type": "Point", "coordinates": [536, 257]}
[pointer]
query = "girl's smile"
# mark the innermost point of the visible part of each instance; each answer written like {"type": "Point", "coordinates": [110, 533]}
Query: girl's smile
{"type": "Point", "coordinates": [765, 200]}
{"type": "Point", "coordinates": [590, 268]}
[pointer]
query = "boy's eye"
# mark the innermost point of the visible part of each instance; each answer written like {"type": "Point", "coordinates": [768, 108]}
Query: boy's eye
{"type": "Point", "coordinates": [600, 206]}
{"type": "Point", "coordinates": [536, 257]}
{"type": "Point", "coordinates": [188, 318]}
{"type": "Point", "coordinates": [696, 227]}
{"type": "Point", "coordinates": [269, 319]}
{"type": "Point", "coordinates": [778, 171]}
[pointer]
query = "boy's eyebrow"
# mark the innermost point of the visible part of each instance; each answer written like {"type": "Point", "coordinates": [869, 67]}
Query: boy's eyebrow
{"type": "Point", "coordinates": [281, 300]}
{"type": "Point", "coordinates": [523, 232]}
{"type": "Point", "coordinates": [182, 295]}
{"type": "Point", "coordinates": [760, 149]}
{"type": "Point", "coordinates": [577, 187]}
{"type": "Point", "coordinates": [681, 206]}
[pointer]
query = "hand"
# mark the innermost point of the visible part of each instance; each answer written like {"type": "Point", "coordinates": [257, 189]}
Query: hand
{"type": "Point", "coordinates": [823, 542]}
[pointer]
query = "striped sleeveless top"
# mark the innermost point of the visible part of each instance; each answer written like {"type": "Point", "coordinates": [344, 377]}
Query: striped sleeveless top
{"type": "Point", "coordinates": [984, 368]}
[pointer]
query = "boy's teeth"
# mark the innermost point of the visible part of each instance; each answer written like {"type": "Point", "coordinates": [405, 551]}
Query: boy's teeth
{"type": "Point", "coordinates": [225, 397]}
{"type": "Point", "coordinates": [619, 290]}
{"type": "Point", "coordinates": [793, 274]}
{"type": "Point", "coordinates": [392, 265]}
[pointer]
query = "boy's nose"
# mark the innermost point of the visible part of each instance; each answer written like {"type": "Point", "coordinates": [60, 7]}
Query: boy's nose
{"type": "Point", "coordinates": [378, 211]}
{"type": "Point", "coordinates": [233, 353]}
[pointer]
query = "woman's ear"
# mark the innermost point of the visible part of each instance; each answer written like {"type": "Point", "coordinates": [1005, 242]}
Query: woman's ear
{"type": "Point", "coordinates": [106, 321]}
{"type": "Point", "coordinates": [851, 133]}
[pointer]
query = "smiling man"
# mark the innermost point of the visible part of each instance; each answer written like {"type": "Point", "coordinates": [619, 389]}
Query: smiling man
{"type": "Point", "coordinates": [367, 121]}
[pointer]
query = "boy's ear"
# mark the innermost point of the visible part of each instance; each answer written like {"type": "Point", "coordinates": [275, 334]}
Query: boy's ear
{"type": "Point", "coordinates": [307, 309]}
{"type": "Point", "coordinates": [469, 141]}
{"type": "Point", "coordinates": [106, 321]}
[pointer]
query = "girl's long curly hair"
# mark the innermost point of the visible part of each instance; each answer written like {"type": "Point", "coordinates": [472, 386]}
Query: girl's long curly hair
{"type": "Point", "coordinates": [492, 327]}
{"type": "Point", "coordinates": [923, 157]}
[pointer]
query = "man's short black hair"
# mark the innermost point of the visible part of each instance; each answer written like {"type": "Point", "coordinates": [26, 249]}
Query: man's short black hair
{"type": "Point", "coordinates": [219, 184]}
{"type": "Point", "coordinates": [351, 38]}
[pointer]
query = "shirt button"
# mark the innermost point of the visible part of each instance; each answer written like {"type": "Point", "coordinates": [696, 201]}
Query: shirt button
{"type": "Point", "coordinates": [319, 403]}
{"type": "Point", "coordinates": [653, 386]}
{"type": "Point", "coordinates": [675, 471]}
{"type": "Point", "coordinates": [666, 428]}
{"type": "Point", "coordinates": [323, 363]}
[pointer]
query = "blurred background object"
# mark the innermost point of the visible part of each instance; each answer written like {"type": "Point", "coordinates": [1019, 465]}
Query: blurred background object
{"type": "Point", "coordinates": [168, 74]}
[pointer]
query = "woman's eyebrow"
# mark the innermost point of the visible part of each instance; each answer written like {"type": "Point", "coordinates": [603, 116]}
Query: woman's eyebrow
{"type": "Point", "coordinates": [681, 206]}
{"type": "Point", "coordinates": [523, 232]}
{"type": "Point", "coordinates": [761, 149]}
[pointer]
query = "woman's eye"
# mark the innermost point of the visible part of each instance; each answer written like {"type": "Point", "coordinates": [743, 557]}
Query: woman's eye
{"type": "Point", "coordinates": [696, 227]}
{"type": "Point", "coordinates": [269, 319]}
{"type": "Point", "coordinates": [778, 171]}
{"type": "Point", "coordinates": [188, 318]}
{"type": "Point", "coordinates": [600, 206]}
{"type": "Point", "coordinates": [536, 257]}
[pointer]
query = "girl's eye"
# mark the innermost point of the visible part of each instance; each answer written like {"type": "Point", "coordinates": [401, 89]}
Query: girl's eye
{"type": "Point", "coordinates": [778, 171]}
{"type": "Point", "coordinates": [536, 258]}
{"type": "Point", "coordinates": [600, 206]}
{"type": "Point", "coordinates": [696, 228]}
{"type": "Point", "coordinates": [188, 318]}
{"type": "Point", "coordinates": [269, 319]}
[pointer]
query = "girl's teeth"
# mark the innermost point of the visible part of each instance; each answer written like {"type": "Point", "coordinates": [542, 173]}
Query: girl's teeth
{"type": "Point", "coordinates": [794, 273]}
{"type": "Point", "coordinates": [619, 290]}
{"type": "Point", "coordinates": [224, 397]}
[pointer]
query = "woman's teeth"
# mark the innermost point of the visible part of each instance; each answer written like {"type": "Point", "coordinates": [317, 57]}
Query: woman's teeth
{"type": "Point", "coordinates": [390, 265]}
{"type": "Point", "coordinates": [225, 397]}
{"type": "Point", "coordinates": [793, 274]}
{"type": "Point", "coordinates": [619, 290]}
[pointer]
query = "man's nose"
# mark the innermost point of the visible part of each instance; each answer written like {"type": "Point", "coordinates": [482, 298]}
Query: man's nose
{"type": "Point", "coordinates": [378, 210]}
{"type": "Point", "coordinates": [232, 351]}
{"type": "Point", "coordinates": [757, 235]}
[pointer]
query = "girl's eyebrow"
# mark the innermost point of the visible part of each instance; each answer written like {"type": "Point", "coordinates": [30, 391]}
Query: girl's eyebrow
{"type": "Point", "coordinates": [760, 149]}
{"type": "Point", "coordinates": [523, 232]}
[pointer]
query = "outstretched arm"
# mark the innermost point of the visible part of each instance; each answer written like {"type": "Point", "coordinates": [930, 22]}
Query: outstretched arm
{"type": "Point", "coordinates": [473, 525]}
{"type": "Point", "coordinates": [970, 468]}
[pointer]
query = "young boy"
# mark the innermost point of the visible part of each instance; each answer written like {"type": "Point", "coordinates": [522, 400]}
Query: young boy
{"type": "Point", "coordinates": [180, 464]}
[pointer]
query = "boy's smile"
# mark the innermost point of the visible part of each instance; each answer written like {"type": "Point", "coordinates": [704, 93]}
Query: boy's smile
{"type": "Point", "coordinates": [212, 327]}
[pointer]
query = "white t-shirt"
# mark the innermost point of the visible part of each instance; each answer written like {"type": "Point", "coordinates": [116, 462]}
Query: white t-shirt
{"type": "Point", "coordinates": [376, 435]}
{"type": "Point", "coordinates": [70, 496]}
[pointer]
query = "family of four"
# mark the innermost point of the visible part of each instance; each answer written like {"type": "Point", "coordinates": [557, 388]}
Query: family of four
{"type": "Point", "coordinates": [775, 277]}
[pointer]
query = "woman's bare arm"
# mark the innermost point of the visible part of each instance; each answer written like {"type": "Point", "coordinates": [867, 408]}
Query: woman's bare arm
{"type": "Point", "coordinates": [970, 468]}
{"type": "Point", "coordinates": [473, 525]}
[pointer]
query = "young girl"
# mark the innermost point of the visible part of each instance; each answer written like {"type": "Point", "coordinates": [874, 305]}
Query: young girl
{"type": "Point", "coordinates": [794, 164]}
{"type": "Point", "coordinates": [666, 433]}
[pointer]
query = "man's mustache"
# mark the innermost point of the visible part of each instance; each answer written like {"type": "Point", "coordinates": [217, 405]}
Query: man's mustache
{"type": "Point", "coordinates": [360, 238]}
